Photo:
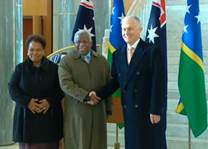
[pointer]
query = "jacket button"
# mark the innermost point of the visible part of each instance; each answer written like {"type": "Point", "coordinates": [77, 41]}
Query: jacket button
{"type": "Point", "coordinates": [124, 106]}
{"type": "Point", "coordinates": [136, 106]}
{"type": "Point", "coordinates": [135, 91]}
{"type": "Point", "coordinates": [137, 73]}
{"type": "Point", "coordinates": [119, 74]}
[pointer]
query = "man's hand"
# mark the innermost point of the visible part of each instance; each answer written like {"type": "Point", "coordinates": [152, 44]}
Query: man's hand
{"type": "Point", "coordinates": [154, 118]}
{"type": "Point", "coordinates": [94, 99]}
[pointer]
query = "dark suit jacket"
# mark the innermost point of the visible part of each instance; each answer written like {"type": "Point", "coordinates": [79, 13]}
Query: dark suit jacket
{"type": "Point", "coordinates": [143, 89]}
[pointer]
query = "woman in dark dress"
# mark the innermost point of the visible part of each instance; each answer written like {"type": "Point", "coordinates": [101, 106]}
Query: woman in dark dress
{"type": "Point", "coordinates": [34, 86]}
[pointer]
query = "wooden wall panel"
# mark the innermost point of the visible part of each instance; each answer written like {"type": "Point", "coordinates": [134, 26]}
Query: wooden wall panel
{"type": "Point", "coordinates": [127, 4]}
{"type": "Point", "coordinates": [47, 28]}
{"type": "Point", "coordinates": [117, 113]}
{"type": "Point", "coordinates": [37, 25]}
{"type": "Point", "coordinates": [41, 19]}
{"type": "Point", "coordinates": [35, 7]}
{"type": "Point", "coordinates": [27, 30]}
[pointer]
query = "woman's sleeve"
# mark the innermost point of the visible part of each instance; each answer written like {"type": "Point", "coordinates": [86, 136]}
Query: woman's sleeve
{"type": "Point", "coordinates": [15, 91]}
{"type": "Point", "coordinates": [57, 94]}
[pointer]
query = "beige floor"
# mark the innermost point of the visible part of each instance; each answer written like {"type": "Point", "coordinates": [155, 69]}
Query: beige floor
{"type": "Point", "coordinates": [15, 146]}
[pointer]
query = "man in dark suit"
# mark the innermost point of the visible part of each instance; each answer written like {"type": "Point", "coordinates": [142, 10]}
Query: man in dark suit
{"type": "Point", "coordinates": [138, 70]}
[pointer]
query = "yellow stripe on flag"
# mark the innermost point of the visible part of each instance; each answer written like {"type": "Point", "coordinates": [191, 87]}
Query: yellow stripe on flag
{"type": "Point", "coordinates": [192, 55]}
{"type": "Point", "coordinates": [180, 108]}
{"type": "Point", "coordinates": [111, 48]}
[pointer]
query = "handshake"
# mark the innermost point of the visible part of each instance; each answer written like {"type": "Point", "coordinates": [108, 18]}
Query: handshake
{"type": "Point", "coordinates": [92, 98]}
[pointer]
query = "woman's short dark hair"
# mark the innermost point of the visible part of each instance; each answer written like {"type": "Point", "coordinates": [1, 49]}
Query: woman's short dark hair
{"type": "Point", "coordinates": [36, 38]}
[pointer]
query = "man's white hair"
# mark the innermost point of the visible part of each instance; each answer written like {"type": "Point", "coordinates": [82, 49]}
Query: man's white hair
{"type": "Point", "coordinates": [132, 17]}
{"type": "Point", "coordinates": [80, 33]}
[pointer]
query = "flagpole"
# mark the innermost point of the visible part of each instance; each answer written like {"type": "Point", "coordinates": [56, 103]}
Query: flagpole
{"type": "Point", "coordinates": [189, 137]}
{"type": "Point", "coordinates": [117, 144]}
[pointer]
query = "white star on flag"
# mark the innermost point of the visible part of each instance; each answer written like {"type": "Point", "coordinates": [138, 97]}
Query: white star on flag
{"type": "Point", "coordinates": [121, 17]}
{"type": "Point", "coordinates": [88, 30]}
{"type": "Point", "coordinates": [113, 10]}
{"type": "Point", "coordinates": [185, 28]}
{"type": "Point", "coordinates": [187, 8]}
{"type": "Point", "coordinates": [198, 18]}
{"type": "Point", "coordinates": [111, 28]}
{"type": "Point", "coordinates": [152, 35]}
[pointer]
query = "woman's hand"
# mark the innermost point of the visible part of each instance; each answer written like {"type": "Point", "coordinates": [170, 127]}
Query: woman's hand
{"type": "Point", "coordinates": [33, 106]}
{"type": "Point", "coordinates": [44, 105]}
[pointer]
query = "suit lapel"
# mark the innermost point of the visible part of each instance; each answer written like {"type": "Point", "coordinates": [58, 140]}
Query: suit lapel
{"type": "Point", "coordinates": [122, 66]}
{"type": "Point", "coordinates": [136, 60]}
{"type": "Point", "coordinates": [124, 58]}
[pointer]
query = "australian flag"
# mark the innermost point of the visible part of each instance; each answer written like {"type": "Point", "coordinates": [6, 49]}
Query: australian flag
{"type": "Point", "coordinates": [156, 32]}
{"type": "Point", "coordinates": [156, 35]}
{"type": "Point", "coordinates": [85, 20]}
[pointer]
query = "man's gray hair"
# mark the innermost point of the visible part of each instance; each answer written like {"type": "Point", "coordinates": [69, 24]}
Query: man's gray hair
{"type": "Point", "coordinates": [132, 17]}
{"type": "Point", "coordinates": [80, 33]}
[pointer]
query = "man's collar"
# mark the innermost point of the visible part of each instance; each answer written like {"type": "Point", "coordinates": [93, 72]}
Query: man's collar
{"type": "Point", "coordinates": [88, 54]}
{"type": "Point", "coordinates": [78, 55]}
{"type": "Point", "coordinates": [134, 45]}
